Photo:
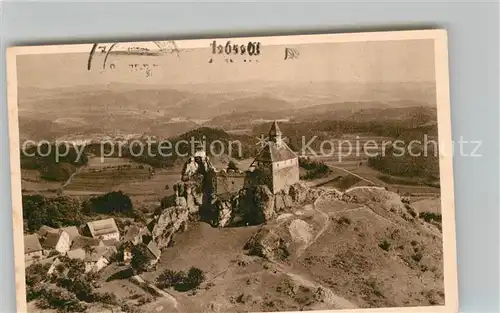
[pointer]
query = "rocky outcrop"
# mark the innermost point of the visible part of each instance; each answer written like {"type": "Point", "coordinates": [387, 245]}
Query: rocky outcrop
{"type": "Point", "coordinates": [257, 204]}
{"type": "Point", "coordinates": [165, 225]}
{"type": "Point", "coordinates": [269, 245]}
{"type": "Point", "coordinates": [176, 212]}
{"type": "Point", "coordinates": [194, 198]}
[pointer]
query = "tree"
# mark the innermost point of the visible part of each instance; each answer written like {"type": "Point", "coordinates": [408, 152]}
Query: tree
{"type": "Point", "coordinates": [114, 202]}
{"type": "Point", "coordinates": [170, 278]}
{"type": "Point", "coordinates": [195, 277]}
{"type": "Point", "coordinates": [54, 212]}
{"type": "Point", "coordinates": [181, 280]}
{"type": "Point", "coordinates": [141, 258]}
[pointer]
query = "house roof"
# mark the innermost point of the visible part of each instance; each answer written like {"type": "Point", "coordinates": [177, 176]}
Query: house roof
{"type": "Point", "coordinates": [44, 230]}
{"type": "Point", "coordinates": [82, 241]}
{"type": "Point", "coordinates": [76, 254]}
{"type": "Point", "coordinates": [102, 227]}
{"type": "Point", "coordinates": [51, 239]}
{"type": "Point", "coordinates": [100, 252]}
{"type": "Point", "coordinates": [153, 248]}
{"type": "Point", "coordinates": [72, 232]}
{"type": "Point", "coordinates": [111, 242]}
{"type": "Point", "coordinates": [31, 244]}
{"type": "Point", "coordinates": [132, 232]}
{"type": "Point", "coordinates": [273, 152]}
{"type": "Point", "coordinates": [49, 260]}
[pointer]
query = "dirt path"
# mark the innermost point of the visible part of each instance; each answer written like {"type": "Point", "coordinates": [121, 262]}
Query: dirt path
{"type": "Point", "coordinates": [164, 294]}
{"type": "Point", "coordinates": [338, 302]}
{"type": "Point", "coordinates": [78, 170]}
{"type": "Point", "coordinates": [353, 174]}
{"type": "Point", "coordinates": [325, 226]}
{"type": "Point", "coordinates": [329, 296]}
{"type": "Point", "coordinates": [364, 187]}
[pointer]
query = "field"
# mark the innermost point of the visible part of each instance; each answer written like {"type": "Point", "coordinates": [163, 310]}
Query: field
{"type": "Point", "coordinates": [31, 182]}
{"type": "Point", "coordinates": [349, 166]}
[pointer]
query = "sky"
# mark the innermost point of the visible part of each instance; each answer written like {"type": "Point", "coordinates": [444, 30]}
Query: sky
{"type": "Point", "coordinates": [350, 62]}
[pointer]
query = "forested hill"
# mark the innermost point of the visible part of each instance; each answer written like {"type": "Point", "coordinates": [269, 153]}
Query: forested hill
{"type": "Point", "coordinates": [52, 165]}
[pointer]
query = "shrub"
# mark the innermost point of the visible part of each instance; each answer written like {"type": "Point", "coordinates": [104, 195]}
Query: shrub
{"type": "Point", "coordinates": [61, 300]}
{"type": "Point", "coordinates": [429, 216]}
{"type": "Point", "coordinates": [314, 169]}
{"type": "Point", "coordinates": [416, 257]}
{"type": "Point", "coordinates": [384, 245]}
{"type": "Point", "coordinates": [181, 281]}
{"type": "Point", "coordinates": [170, 278]}
{"type": "Point", "coordinates": [107, 298]}
{"type": "Point", "coordinates": [344, 220]}
{"type": "Point", "coordinates": [141, 258]}
{"type": "Point", "coordinates": [195, 277]}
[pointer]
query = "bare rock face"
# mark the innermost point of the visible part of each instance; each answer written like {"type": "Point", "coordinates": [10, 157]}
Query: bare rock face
{"type": "Point", "coordinates": [267, 244]}
{"type": "Point", "coordinates": [257, 204]}
{"type": "Point", "coordinates": [225, 213]}
{"type": "Point", "coordinates": [172, 220]}
{"type": "Point", "coordinates": [264, 202]}
{"type": "Point", "coordinates": [298, 192]}
{"type": "Point", "coordinates": [176, 212]}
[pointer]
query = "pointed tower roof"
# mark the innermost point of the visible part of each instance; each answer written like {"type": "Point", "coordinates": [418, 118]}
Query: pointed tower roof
{"type": "Point", "coordinates": [275, 149]}
{"type": "Point", "coordinates": [275, 130]}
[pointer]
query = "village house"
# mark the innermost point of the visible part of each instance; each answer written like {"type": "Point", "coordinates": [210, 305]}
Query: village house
{"type": "Point", "coordinates": [58, 240]}
{"type": "Point", "coordinates": [103, 229]}
{"type": "Point", "coordinates": [94, 260]}
{"type": "Point", "coordinates": [279, 160]}
{"type": "Point", "coordinates": [72, 232]}
{"type": "Point", "coordinates": [85, 242]}
{"type": "Point", "coordinates": [137, 235]}
{"type": "Point", "coordinates": [32, 248]}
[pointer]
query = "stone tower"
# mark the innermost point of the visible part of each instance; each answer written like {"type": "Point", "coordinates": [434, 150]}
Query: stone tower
{"type": "Point", "coordinates": [279, 160]}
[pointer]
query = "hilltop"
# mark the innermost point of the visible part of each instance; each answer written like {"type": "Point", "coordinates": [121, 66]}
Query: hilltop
{"type": "Point", "coordinates": [359, 249]}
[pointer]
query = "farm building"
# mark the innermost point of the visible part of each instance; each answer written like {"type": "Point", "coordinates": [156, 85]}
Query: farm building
{"type": "Point", "coordinates": [103, 229]}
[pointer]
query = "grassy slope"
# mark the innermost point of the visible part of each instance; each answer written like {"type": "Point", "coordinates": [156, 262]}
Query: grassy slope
{"type": "Point", "coordinates": [342, 258]}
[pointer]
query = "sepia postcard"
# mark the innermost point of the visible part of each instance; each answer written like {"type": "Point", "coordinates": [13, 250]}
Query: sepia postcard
{"type": "Point", "coordinates": [223, 175]}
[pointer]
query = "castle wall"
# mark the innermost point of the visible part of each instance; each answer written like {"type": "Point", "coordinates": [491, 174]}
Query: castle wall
{"type": "Point", "coordinates": [229, 183]}
{"type": "Point", "coordinates": [285, 173]}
